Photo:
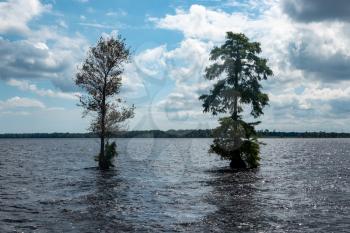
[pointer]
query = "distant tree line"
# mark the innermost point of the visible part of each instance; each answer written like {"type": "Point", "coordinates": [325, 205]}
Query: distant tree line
{"type": "Point", "coordinates": [321, 134]}
{"type": "Point", "coordinates": [188, 133]}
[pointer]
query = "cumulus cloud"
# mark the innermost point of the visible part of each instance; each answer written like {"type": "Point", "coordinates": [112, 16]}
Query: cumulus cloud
{"type": "Point", "coordinates": [183, 104]}
{"type": "Point", "coordinates": [19, 102]}
{"type": "Point", "coordinates": [306, 46]}
{"type": "Point", "coordinates": [320, 49]}
{"type": "Point", "coordinates": [15, 15]}
{"type": "Point", "coordinates": [208, 27]}
{"type": "Point", "coordinates": [199, 22]}
{"type": "Point", "coordinates": [28, 59]}
{"type": "Point", "coordinates": [22, 106]}
{"type": "Point", "coordinates": [169, 82]}
{"type": "Point", "coordinates": [183, 67]}
{"type": "Point", "coordinates": [43, 53]}
{"type": "Point", "coordinates": [314, 109]}
{"type": "Point", "coordinates": [97, 25]}
{"type": "Point", "coordinates": [34, 58]}
{"type": "Point", "coordinates": [184, 63]}
{"type": "Point", "coordinates": [27, 86]}
{"type": "Point", "coordinates": [317, 10]}
{"type": "Point", "coordinates": [322, 53]}
{"type": "Point", "coordinates": [152, 62]}
{"type": "Point", "coordinates": [203, 28]}
{"type": "Point", "coordinates": [310, 56]}
{"type": "Point", "coordinates": [133, 87]}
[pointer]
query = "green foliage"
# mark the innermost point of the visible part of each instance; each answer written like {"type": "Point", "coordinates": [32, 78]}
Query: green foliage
{"type": "Point", "coordinates": [100, 76]}
{"type": "Point", "coordinates": [234, 139]}
{"type": "Point", "coordinates": [239, 70]}
{"type": "Point", "coordinates": [111, 153]}
{"type": "Point", "coordinates": [250, 150]}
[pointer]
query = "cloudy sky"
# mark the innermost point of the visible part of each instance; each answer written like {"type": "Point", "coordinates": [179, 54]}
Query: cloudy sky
{"type": "Point", "coordinates": [42, 42]}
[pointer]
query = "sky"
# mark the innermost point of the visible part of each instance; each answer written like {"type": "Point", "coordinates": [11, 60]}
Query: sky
{"type": "Point", "coordinates": [43, 42]}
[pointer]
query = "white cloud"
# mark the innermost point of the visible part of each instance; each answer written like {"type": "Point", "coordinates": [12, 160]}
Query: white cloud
{"type": "Point", "coordinates": [317, 46]}
{"type": "Point", "coordinates": [116, 13]}
{"type": "Point", "coordinates": [28, 107]}
{"type": "Point", "coordinates": [183, 103]}
{"type": "Point", "coordinates": [132, 82]}
{"type": "Point", "coordinates": [15, 15]}
{"type": "Point", "coordinates": [62, 23]}
{"type": "Point", "coordinates": [44, 54]}
{"type": "Point", "coordinates": [199, 22]}
{"type": "Point", "coordinates": [203, 23]}
{"type": "Point", "coordinates": [310, 56]}
{"type": "Point", "coordinates": [317, 10]}
{"type": "Point", "coordinates": [182, 64]}
{"type": "Point", "coordinates": [20, 102]}
{"type": "Point", "coordinates": [97, 25]}
{"type": "Point", "coordinates": [27, 86]}
{"type": "Point", "coordinates": [151, 62]}
{"type": "Point", "coordinates": [158, 69]}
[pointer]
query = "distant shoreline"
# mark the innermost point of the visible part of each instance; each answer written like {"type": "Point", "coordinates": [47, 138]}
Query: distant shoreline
{"type": "Point", "coordinates": [196, 133]}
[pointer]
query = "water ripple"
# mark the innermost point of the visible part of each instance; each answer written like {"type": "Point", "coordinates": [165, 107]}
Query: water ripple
{"type": "Point", "coordinates": [173, 185]}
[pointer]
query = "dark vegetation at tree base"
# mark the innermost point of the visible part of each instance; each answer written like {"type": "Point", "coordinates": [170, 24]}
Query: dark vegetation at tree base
{"type": "Point", "coordinates": [110, 153]}
{"type": "Point", "coordinates": [188, 133]}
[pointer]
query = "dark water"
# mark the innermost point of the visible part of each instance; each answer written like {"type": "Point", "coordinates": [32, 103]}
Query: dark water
{"type": "Point", "coordinates": [173, 185]}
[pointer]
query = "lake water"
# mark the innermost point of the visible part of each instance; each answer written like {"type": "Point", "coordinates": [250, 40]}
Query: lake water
{"type": "Point", "coordinates": [173, 185]}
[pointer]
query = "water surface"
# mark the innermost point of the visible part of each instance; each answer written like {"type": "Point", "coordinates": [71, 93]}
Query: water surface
{"type": "Point", "coordinates": [173, 185]}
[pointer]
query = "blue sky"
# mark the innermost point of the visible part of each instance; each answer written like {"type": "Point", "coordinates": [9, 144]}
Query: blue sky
{"type": "Point", "coordinates": [42, 43]}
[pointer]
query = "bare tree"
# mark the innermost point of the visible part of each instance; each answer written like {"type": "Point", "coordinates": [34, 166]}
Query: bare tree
{"type": "Point", "coordinates": [100, 78]}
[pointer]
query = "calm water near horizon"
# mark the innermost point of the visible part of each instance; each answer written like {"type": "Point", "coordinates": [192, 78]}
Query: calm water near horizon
{"type": "Point", "coordinates": [173, 185]}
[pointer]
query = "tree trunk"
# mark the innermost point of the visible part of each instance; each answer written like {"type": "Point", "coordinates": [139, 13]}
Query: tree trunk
{"type": "Point", "coordinates": [235, 108]}
{"type": "Point", "coordinates": [236, 139]}
{"type": "Point", "coordinates": [237, 161]}
{"type": "Point", "coordinates": [103, 163]}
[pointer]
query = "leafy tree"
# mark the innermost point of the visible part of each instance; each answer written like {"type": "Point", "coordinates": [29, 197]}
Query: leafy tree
{"type": "Point", "coordinates": [100, 76]}
{"type": "Point", "coordinates": [239, 70]}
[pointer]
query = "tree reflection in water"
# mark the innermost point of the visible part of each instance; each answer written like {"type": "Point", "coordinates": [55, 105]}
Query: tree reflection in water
{"type": "Point", "coordinates": [233, 193]}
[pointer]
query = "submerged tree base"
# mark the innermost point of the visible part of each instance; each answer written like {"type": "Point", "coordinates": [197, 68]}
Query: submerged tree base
{"type": "Point", "coordinates": [103, 165]}
{"type": "Point", "coordinates": [106, 162]}
{"type": "Point", "coordinates": [246, 156]}
{"type": "Point", "coordinates": [237, 162]}
{"type": "Point", "coordinates": [235, 140]}
{"type": "Point", "coordinates": [233, 156]}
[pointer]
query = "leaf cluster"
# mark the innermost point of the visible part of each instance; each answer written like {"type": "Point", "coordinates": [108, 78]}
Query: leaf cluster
{"type": "Point", "coordinates": [110, 153]}
{"type": "Point", "coordinates": [239, 70]}
{"type": "Point", "coordinates": [236, 138]}
{"type": "Point", "coordinates": [100, 77]}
